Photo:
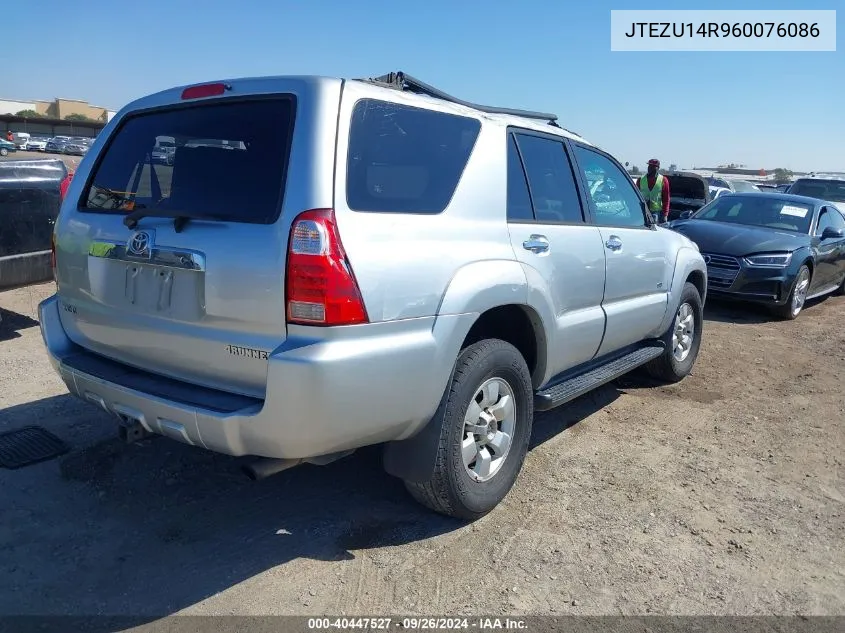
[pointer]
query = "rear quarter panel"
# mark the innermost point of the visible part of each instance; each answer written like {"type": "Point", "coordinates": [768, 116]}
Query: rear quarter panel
{"type": "Point", "coordinates": [404, 263]}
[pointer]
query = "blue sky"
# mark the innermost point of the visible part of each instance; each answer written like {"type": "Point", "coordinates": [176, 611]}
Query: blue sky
{"type": "Point", "coordinates": [692, 109]}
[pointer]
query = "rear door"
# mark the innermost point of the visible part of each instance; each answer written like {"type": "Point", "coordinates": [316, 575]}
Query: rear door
{"type": "Point", "coordinates": [639, 263]}
{"type": "Point", "coordinates": [561, 253]}
{"type": "Point", "coordinates": [201, 302]}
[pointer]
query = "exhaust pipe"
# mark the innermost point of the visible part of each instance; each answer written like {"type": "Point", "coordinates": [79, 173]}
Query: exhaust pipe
{"type": "Point", "coordinates": [265, 466]}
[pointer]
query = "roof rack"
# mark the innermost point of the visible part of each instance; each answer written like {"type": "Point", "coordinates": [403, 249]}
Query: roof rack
{"type": "Point", "coordinates": [402, 81]}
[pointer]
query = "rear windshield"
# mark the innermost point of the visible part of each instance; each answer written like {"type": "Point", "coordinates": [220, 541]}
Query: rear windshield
{"type": "Point", "coordinates": [687, 188]}
{"type": "Point", "coordinates": [229, 162]}
{"type": "Point", "coordinates": [404, 159]}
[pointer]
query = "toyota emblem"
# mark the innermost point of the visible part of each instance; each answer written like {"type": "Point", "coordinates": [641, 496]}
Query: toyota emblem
{"type": "Point", "coordinates": [707, 259]}
{"type": "Point", "coordinates": [139, 243]}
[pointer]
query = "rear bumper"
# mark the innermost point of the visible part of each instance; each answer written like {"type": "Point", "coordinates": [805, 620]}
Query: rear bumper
{"type": "Point", "coordinates": [357, 387]}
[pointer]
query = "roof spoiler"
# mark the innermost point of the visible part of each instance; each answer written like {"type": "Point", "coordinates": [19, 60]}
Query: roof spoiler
{"type": "Point", "coordinates": [402, 81]}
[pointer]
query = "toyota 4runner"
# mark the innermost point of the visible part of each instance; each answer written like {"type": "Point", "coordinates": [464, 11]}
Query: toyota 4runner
{"type": "Point", "coordinates": [327, 264]}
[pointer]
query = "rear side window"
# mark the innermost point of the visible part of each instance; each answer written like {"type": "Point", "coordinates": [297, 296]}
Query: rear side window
{"type": "Point", "coordinates": [551, 181]}
{"type": "Point", "coordinates": [519, 199]}
{"type": "Point", "coordinates": [404, 159]}
{"type": "Point", "coordinates": [226, 159]}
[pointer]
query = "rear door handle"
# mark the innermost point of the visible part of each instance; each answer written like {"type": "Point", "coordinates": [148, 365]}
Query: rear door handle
{"type": "Point", "coordinates": [614, 243]}
{"type": "Point", "coordinates": [536, 244]}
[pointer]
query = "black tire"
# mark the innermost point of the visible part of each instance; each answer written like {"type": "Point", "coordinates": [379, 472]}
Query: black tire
{"type": "Point", "coordinates": [785, 311]}
{"type": "Point", "coordinates": [4, 151]}
{"type": "Point", "coordinates": [451, 490]}
{"type": "Point", "coordinates": [666, 367]}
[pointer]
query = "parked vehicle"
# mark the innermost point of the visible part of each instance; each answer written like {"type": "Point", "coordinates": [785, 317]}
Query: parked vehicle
{"type": "Point", "coordinates": [29, 205]}
{"type": "Point", "coordinates": [368, 262]}
{"type": "Point", "coordinates": [829, 189]}
{"type": "Point", "coordinates": [777, 249]}
{"type": "Point", "coordinates": [56, 145]}
{"type": "Point", "coordinates": [715, 192]}
{"type": "Point", "coordinates": [687, 192]}
{"type": "Point", "coordinates": [7, 147]}
{"type": "Point", "coordinates": [163, 154]}
{"type": "Point", "coordinates": [76, 148]}
{"type": "Point", "coordinates": [20, 139]}
{"type": "Point", "coordinates": [766, 187]}
{"type": "Point", "coordinates": [36, 145]}
{"type": "Point", "coordinates": [735, 185]}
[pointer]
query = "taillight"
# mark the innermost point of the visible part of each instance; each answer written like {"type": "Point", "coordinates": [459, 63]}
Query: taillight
{"type": "Point", "coordinates": [64, 186]}
{"type": "Point", "coordinates": [321, 287]}
{"type": "Point", "coordinates": [205, 90]}
{"type": "Point", "coordinates": [53, 253]}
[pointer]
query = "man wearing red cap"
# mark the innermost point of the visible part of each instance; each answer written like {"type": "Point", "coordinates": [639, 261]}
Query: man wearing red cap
{"type": "Point", "coordinates": [655, 189]}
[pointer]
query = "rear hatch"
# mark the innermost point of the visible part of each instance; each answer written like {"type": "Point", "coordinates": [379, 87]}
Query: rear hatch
{"type": "Point", "coordinates": [195, 289]}
{"type": "Point", "coordinates": [687, 192]}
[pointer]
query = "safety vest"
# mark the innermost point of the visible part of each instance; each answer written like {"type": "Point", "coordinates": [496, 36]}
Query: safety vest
{"type": "Point", "coordinates": [653, 197]}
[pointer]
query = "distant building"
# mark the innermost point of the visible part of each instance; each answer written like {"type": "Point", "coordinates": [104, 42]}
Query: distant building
{"type": "Point", "coordinates": [58, 109]}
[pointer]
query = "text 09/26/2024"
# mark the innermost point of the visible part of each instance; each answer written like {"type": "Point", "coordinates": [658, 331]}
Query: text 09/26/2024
{"type": "Point", "coordinates": [723, 30]}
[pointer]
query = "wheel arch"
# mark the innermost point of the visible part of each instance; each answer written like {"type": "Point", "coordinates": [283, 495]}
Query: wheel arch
{"type": "Point", "coordinates": [517, 324]}
{"type": "Point", "coordinates": [689, 266]}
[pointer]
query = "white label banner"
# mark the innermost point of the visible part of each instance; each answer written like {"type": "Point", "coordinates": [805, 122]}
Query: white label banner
{"type": "Point", "coordinates": [723, 30]}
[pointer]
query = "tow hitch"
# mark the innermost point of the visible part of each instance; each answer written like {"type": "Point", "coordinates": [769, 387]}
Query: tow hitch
{"type": "Point", "coordinates": [131, 430]}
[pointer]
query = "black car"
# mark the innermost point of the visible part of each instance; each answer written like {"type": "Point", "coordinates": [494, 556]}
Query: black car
{"type": "Point", "coordinates": [772, 248]}
{"type": "Point", "coordinates": [829, 189]}
{"type": "Point", "coordinates": [29, 205]}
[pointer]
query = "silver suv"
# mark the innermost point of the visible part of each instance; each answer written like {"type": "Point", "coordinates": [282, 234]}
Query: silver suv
{"type": "Point", "coordinates": [329, 264]}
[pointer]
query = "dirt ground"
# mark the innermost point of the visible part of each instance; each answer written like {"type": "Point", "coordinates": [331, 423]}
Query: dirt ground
{"type": "Point", "coordinates": [722, 495]}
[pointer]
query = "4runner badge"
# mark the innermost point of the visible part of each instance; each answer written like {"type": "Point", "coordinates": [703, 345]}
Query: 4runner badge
{"type": "Point", "coordinates": [247, 352]}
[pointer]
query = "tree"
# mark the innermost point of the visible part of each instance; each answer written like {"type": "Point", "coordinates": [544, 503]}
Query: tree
{"type": "Point", "coordinates": [782, 174]}
{"type": "Point", "coordinates": [29, 114]}
{"type": "Point", "coordinates": [635, 170]}
{"type": "Point", "coordinates": [79, 117]}
{"type": "Point", "coordinates": [673, 167]}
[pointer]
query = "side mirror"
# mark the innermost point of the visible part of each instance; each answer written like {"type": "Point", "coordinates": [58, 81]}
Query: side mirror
{"type": "Point", "coordinates": [831, 233]}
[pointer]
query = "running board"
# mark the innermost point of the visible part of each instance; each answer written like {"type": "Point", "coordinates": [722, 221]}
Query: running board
{"type": "Point", "coordinates": [579, 384]}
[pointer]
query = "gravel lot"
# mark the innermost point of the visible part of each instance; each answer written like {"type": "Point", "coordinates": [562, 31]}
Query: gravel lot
{"type": "Point", "coordinates": [722, 495]}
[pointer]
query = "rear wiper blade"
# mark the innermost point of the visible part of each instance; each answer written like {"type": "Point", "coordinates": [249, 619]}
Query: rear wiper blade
{"type": "Point", "coordinates": [180, 217]}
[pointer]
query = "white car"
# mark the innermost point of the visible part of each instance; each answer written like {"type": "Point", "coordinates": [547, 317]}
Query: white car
{"type": "Point", "coordinates": [715, 192]}
{"type": "Point", "coordinates": [36, 144]}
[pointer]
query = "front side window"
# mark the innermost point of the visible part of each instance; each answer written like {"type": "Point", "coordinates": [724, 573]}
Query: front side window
{"type": "Point", "coordinates": [615, 200]}
{"type": "Point", "coordinates": [519, 199]}
{"type": "Point", "coordinates": [228, 162]}
{"type": "Point", "coordinates": [404, 159]}
{"type": "Point", "coordinates": [830, 218]}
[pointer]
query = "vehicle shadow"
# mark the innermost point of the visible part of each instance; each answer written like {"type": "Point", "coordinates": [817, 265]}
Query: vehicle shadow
{"type": "Point", "coordinates": [747, 313]}
{"type": "Point", "coordinates": [151, 528]}
{"type": "Point", "coordinates": [11, 324]}
{"type": "Point", "coordinates": [549, 424]}
{"type": "Point", "coordinates": [739, 313]}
